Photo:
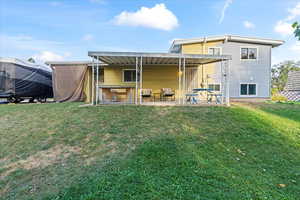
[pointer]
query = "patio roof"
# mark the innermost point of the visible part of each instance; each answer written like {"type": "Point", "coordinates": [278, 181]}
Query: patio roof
{"type": "Point", "coordinates": [129, 58]}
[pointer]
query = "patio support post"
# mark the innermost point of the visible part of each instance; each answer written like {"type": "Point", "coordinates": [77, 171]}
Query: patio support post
{"type": "Point", "coordinates": [224, 92]}
{"type": "Point", "coordinates": [97, 84]}
{"type": "Point", "coordinates": [184, 82]}
{"type": "Point", "coordinates": [93, 81]}
{"type": "Point", "coordinates": [179, 81]}
{"type": "Point", "coordinates": [227, 78]}
{"type": "Point", "coordinates": [141, 79]}
{"type": "Point", "coordinates": [136, 80]}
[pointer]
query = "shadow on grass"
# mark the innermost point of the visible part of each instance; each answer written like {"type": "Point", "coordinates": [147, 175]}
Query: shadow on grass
{"type": "Point", "coordinates": [231, 154]}
{"type": "Point", "coordinates": [288, 110]}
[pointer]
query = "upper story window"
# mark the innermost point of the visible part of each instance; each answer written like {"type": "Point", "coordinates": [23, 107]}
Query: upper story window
{"type": "Point", "coordinates": [129, 75]}
{"type": "Point", "coordinates": [249, 53]}
{"type": "Point", "coordinates": [176, 49]}
{"type": "Point", "coordinates": [215, 51]}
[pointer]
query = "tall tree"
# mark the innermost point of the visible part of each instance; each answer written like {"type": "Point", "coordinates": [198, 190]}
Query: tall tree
{"type": "Point", "coordinates": [296, 27]}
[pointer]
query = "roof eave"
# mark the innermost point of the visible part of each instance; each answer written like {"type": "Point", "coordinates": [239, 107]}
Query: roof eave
{"type": "Point", "coordinates": [273, 43]}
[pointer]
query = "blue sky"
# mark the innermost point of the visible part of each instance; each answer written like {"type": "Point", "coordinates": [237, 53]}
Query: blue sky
{"type": "Point", "coordinates": [68, 29]}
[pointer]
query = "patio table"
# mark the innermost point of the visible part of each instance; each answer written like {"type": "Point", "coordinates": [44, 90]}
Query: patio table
{"type": "Point", "coordinates": [192, 98]}
{"type": "Point", "coordinates": [217, 97]}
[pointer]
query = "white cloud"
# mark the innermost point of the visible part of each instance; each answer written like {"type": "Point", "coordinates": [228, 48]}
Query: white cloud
{"type": "Point", "coordinates": [294, 12]}
{"type": "Point", "coordinates": [50, 56]}
{"type": "Point", "coordinates": [88, 37]}
{"type": "Point", "coordinates": [25, 42]}
{"type": "Point", "coordinates": [249, 25]}
{"type": "Point", "coordinates": [284, 28]}
{"type": "Point", "coordinates": [24, 46]}
{"type": "Point", "coordinates": [158, 17]}
{"type": "Point", "coordinates": [296, 47]}
{"type": "Point", "coordinates": [225, 7]}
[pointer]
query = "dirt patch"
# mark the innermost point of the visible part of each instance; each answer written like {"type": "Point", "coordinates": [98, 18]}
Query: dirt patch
{"type": "Point", "coordinates": [4, 190]}
{"type": "Point", "coordinates": [41, 159]}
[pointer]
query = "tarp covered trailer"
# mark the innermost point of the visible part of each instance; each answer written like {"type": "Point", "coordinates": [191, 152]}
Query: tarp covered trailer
{"type": "Point", "coordinates": [23, 80]}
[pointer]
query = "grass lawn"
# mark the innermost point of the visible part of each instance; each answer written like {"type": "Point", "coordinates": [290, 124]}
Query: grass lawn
{"type": "Point", "coordinates": [63, 151]}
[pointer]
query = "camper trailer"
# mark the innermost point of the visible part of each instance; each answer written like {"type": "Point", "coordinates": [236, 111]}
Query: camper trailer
{"type": "Point", "coordinates": [21, 80]}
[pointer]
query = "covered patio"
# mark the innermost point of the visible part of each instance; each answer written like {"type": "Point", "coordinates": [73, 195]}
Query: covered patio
{"type": "Point", "coordinates": [142, 63]}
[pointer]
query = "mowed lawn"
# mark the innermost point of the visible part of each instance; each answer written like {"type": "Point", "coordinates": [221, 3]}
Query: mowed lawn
{"type": "Point", "coordinates": [63, 151]}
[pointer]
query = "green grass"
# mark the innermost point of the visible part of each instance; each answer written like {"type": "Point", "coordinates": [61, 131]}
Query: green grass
{"type": "Point", "coordinates": [63, 151]}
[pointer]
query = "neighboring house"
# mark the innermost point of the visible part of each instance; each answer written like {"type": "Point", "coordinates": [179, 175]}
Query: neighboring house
{"type": "Point", "coordinates": [218, 68]}
{"type": "Point", "coordinates": [292, 89]}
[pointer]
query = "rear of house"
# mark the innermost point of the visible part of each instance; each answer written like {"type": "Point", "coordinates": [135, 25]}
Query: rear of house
{"type": "Point", "coordinates": [211, 69]}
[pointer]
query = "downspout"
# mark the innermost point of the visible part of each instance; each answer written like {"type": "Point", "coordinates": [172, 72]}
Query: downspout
{"type": "Point", "coordinates": [202, 66]}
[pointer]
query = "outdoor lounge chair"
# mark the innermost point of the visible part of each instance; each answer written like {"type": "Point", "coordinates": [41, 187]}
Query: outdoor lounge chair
{"type": "Point", "coordinates": [167, 93]}
{"type": "Point", "coordinates": [146, 93]}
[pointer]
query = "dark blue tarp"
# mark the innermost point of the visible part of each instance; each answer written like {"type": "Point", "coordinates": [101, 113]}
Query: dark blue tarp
{"type": "Point", "coordinates": [21, 79]}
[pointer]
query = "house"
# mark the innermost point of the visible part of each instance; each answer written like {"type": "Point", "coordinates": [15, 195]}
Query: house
{"type": "Point", "coordinates": [250, 67]}
{"type": "Point", "coordinates": [292, 88]}
{"type": "Point", "coordinates": [201, 70]}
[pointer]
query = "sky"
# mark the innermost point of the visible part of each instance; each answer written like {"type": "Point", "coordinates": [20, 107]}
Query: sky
{"type": "Point", "coordinates": [57, 30]}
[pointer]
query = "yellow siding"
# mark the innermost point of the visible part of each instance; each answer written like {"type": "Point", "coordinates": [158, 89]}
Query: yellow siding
{"type": "Point", "coordinates": [87, 88]}
{"type": "Point", "coordinates": [157, 77]}
{"type": "Point", "coordinates": [208, 69]}
{"type": "Point", "coordinates": [198, 48]}
{"type": "Point", "coordinates": [113, 75]}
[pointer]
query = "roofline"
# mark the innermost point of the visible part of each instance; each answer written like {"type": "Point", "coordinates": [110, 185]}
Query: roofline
{"type": "Point", "coordinates": [22, 62]}
{"type": "Point", "coordinates": [234, 38]}
{"type": "Point", "coordinates": [89, 63]}
{"type": "Point", "coordinates": [161, 55]}
{"type": "Point", "coordinates": [67, 62]}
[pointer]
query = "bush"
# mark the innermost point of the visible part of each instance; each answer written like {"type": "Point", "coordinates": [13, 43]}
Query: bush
{"type": "Point", "coordinates": [278, 98]}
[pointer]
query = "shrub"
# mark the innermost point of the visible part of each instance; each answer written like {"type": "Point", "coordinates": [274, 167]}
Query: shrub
{"type": "Point", "coordinates": [278, 98]}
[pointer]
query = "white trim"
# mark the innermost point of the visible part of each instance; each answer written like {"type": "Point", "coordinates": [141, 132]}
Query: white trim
{"type": "Point", "coordinates": [221, 50]}
{"type": "Point", "coordinates": [123, 70]}
{"type": "Point", "coordinates": [249, 47]}
{"type": "Point", "coordinates": [247, 95]}
{"type": "Point", "coordinates": [230, 38]}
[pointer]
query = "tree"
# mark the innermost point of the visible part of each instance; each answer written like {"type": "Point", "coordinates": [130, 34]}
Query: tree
{"type": "Point", "coordinates": [296, 27]}
{"type": "Point", "coordinates": [280, 72]}
{"type": "Point", "coordinates": [31, 60]}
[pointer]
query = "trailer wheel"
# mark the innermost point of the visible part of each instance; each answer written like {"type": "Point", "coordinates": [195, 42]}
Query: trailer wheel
{"type": "Point", "coordinates": [42, 100]}
{"type": "Point", "coordinates": [14, 100]}
{"type": "Point", "coordinates": [31, 100]}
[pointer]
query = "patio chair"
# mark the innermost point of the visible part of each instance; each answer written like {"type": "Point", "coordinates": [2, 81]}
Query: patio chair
{"type": "Point", "coordinates": [146, 93]}
{"type": "Point", "coordinates": [167, 93]}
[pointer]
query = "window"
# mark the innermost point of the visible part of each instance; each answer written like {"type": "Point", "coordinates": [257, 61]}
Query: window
{"type": "Point", "coordinates": [248, 89]}
{"type": "Point", "coordinates": [101, 75]}
{"type": "Point", "coordinates": [129, 75]}
{"type": "Point", "coordinates": [214, 87]}
{"type": "Point", "coordinates": [248, 53]}
{"type": "Point", "coordinates": [176, 49]}
{"type": "Point", "coordinates": [214, 51]}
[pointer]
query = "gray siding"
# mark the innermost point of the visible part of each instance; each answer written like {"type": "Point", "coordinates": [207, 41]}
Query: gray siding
{"type": "Point", "coordinates": [249, 71]}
